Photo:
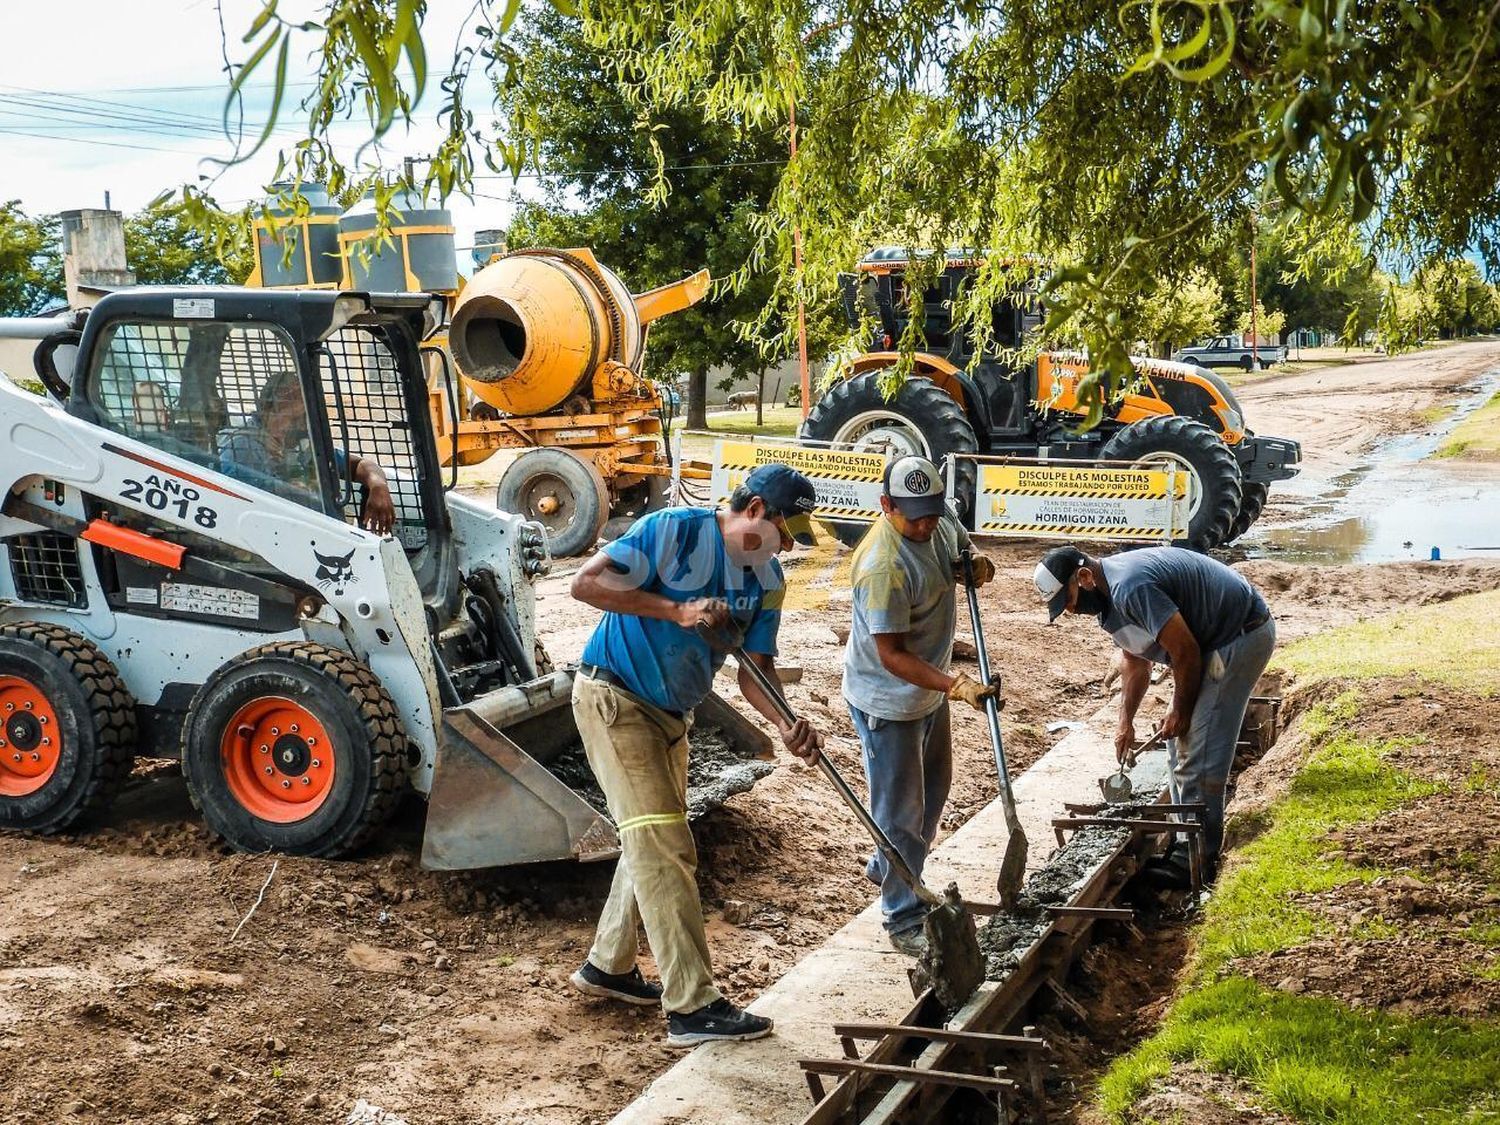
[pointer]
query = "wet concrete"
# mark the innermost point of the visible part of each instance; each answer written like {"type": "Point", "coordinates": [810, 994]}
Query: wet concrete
{"type": "Point", "coordinates": [1006, 937]}
{"type": "Point", "coordinates": [716, 772]}
{"type": "Point", "coordinates": [1400, 506]}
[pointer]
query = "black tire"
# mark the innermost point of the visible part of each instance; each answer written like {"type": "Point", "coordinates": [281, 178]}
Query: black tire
{"type": "Point", "coordinates": [1246, 363]}
{"type": "Point", "coordinates": [91, 709]}
{"type": "Point", "coordinates": [545, 476]}
{"type": "Point", "coordinates": [924, 407]}
{"type": "Point", "coordinates": [1252, 500]}
{"type": "Point", "coordinates": [1216, 473]}
{"type": "Point", "coordinates": [366, 773]}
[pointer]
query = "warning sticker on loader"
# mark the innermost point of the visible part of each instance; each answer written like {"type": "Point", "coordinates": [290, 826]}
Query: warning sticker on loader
{"type": "Point", "coordinates": [1052, 501]}
{"type": "Point", "coordinates": [847, 483]}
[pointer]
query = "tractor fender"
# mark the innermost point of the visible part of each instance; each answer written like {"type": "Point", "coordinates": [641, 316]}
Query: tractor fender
{"type": "Point", "coordinates": [948, 377]}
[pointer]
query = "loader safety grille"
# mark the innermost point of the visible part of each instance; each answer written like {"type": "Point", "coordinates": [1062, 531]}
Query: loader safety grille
{"type": "Point", "coordinates": [368, 413]}
{"type": "Point", "coordinates": [45, 568]}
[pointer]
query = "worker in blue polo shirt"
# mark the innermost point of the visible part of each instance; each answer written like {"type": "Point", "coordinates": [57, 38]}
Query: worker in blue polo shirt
{"type": "Point", "coordinates": [643, 671]}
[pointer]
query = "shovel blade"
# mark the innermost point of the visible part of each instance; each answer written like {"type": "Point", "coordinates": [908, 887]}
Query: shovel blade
{"type": "Point", "coordinates": [1012, 868]}
{"type": "Point", "coordinates": [953, 964]}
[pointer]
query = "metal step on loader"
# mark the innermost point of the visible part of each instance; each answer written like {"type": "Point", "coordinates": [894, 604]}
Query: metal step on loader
{"type": "Point", "coordinates": [183, 574]}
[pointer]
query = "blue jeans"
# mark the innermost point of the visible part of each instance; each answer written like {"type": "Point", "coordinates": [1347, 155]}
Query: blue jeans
{"type": "Point", "coordinates": [1200, 762]}
{"type": "Point", "coordinates": [909, 765]}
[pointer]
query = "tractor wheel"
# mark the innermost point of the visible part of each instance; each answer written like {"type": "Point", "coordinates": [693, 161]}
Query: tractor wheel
{"type": "Point", "coordinates": [1252, 501]}
{"type": "Point", "coordinates": [920, 418]}
{"type": "Point", "coordinates": [561, 491]}
{"type": "Point", "coordinates": [294, 747]}
{"type": "Point", "coordinates": [1214, 475]}
{"type": "Point", "coordinates": [67, 728]}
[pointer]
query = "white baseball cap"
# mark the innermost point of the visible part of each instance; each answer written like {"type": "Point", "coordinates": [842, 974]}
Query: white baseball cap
{"type": "Point", "coordinates": [916, 487]}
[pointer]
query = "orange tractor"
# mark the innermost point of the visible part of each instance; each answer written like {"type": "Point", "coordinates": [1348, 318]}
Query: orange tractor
{"type": "Point", "coordinates": [956, 402]}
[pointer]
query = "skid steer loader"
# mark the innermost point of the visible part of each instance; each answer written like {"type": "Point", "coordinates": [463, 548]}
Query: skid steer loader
{"type": "Point", "coordinates": [958, 402]}
{"type": "Point", "coordinates": [180, 576]}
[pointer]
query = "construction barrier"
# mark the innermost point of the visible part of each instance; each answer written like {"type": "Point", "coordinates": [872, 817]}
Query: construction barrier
{"type": "Point", "coordinates": [1039, 499]}
{"type": "Point", "coordinates": [848, 483]}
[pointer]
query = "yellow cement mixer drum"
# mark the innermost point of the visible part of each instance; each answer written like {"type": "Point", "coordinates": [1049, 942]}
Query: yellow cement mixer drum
{"type": "Point", "coordinates": [532, 327]}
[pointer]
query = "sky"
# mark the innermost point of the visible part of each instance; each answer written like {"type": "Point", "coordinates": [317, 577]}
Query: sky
{"type": "Point", "coordinates": [127, 98]}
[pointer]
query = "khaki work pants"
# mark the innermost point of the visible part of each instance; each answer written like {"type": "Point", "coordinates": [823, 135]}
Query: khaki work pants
{"type": "Point", "coordinates": [639, 753]}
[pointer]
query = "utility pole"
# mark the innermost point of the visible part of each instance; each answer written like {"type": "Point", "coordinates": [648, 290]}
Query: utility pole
{"type": "Point", "coordinates": [802, 375]}
{"type": "Point", "coordinates": [1254, 302]}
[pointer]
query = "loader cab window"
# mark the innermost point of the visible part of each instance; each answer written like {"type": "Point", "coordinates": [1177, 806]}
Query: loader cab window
{"type": "Point", "coordinates": [224, 396]}
{"type": "Point", "coordinates": [370, 416]}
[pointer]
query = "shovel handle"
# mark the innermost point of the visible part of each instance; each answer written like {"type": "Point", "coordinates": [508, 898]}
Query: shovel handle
{"type": "Point", "coordinates": [830, 771]}
{"type": "Point", "coordinates": [991, 705]}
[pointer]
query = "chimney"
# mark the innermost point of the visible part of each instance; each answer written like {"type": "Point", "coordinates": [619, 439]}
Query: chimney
{"type": "Point", "coordinates": [93, 255]}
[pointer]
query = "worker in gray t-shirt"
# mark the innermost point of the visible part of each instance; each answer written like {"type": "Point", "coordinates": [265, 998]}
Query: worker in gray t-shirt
{"type": "Point", "coordinates": [1164, 605]}
{"type": "Point", "coordinates": [896, 678]}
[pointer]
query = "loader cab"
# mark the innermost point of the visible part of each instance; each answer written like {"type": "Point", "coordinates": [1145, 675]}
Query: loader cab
{"type": "Point", "coordinates": [280, 391]}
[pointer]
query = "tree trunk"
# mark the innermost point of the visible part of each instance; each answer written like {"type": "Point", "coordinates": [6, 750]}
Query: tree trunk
{"type": "Point", "coordinates": [697, 400]}
{"type": "Point", "coordinates": [760, 397]}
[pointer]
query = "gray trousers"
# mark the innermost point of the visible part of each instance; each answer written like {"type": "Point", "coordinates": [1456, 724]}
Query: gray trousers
{"type": "Point", "coordinates": [1200, 762]}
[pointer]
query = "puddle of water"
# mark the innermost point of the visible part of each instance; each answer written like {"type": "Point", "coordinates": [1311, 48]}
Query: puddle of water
{"type": "Point", "coordinates": [1401, 506]}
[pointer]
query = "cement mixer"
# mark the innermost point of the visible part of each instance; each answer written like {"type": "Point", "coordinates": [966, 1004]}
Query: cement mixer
{"type": "Point", "coordinates": [551, 343]}
{"type": "Point", "coordinates": [548, 347]}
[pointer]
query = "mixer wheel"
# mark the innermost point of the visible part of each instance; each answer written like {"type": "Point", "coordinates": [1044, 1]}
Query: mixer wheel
{"type": "Point", "coordinates": [560, 490]}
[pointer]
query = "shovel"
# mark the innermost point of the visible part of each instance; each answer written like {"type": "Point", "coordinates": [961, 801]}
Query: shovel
{"type": "Point", "coordinates": [954, 963]}
{"type": "Point", "coordinates": [1117, 787]}
{"type": "Point", "coordinates": [1013, 861]}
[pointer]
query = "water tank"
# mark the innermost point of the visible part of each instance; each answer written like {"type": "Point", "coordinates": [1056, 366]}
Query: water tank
{"type": "Point", "coordinates": [313, 260]}
{"type": "Point", "coordinates": [531, 328]}
{"type": "Point", "coordinates": [419, 257]}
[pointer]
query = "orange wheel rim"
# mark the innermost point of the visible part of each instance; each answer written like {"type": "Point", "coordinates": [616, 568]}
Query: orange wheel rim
{"type": "Point", "coordinates": [278, 760]}
{"type": "Point", "coordinates": [30, 742]}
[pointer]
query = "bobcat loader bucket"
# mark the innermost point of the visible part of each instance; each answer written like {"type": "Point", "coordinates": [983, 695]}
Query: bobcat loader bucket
{"type": "Point", "coordinates": [511, 783]}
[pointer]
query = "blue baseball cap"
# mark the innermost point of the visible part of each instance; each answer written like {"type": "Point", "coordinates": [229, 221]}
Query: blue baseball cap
{"type": "Point", "coordinates": [789, 494]}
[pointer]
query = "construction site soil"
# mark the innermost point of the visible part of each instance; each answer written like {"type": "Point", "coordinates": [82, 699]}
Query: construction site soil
{"type": "Point", "coordinates": [149, 975]}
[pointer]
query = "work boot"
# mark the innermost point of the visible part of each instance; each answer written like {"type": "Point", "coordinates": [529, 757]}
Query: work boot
{"type": "Point", "coordinates": [630, 987]}
{"type": "Point", "coordinates": [719, 1020]}
{"type": "Point", "coordinates": [1170, 871]}
{"type": "Point", "coordinates": [912, 941]}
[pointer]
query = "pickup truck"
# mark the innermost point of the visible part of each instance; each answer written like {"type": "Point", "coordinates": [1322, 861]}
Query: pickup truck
{"type": "Point", "coordinates": [1231, 351]}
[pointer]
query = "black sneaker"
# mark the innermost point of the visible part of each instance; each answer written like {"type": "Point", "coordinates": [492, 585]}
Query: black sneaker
{"type": "Point", "coordinates": [630, 987]}
{"type": "Point", "coordinates": [719, 1020]}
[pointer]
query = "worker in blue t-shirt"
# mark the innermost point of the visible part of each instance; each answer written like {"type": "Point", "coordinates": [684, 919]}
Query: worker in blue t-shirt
{"type": "Point", "coordinates": [643, 671]}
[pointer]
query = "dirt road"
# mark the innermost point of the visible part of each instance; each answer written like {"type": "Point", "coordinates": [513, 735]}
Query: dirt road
{"type": "Point", "coordinates": [125, 996]}
{"type": "Point", "coordinates": [1340, 413]}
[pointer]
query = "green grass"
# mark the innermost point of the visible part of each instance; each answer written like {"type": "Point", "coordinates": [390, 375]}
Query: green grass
{"type": "Point", "coordinates": [1477, 437]}
{"type": "Point", "coordinates": [1319, 1061]}
{"type": "Point", "coordinates": [780, 421]}
{"type": "Point", "coordinates": [1344, 782]}
{"type": "Point", "coordinates": [1432, 415]}
{"type": "Point", "coordinates": [1449, 643]}
{"type": "Point", "coordinates": [1314, 1059]}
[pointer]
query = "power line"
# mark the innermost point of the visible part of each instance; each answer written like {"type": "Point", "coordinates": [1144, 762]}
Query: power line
{"type": "Point", "coordinates": [95, 141]}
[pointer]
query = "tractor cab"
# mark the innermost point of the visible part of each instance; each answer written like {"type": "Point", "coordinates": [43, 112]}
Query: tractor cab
{"type": "Point", "coordinates": [878, 292]}
{"type": "Point", "coordinates": [282, 391]}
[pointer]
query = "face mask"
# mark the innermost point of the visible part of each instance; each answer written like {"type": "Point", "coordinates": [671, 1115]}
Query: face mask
{"type": "Point", "coordinates": [1094, 602]}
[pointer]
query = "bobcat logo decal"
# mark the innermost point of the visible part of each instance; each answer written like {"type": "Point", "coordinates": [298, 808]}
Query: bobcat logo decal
{"type": "Point", "coordinates": [334, 571]}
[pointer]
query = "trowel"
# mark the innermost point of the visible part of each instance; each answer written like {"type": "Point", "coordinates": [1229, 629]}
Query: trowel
{"type": "Point", "coordinates": [954, 964]}
{"type": "Point", "coordinates": [1117, 787]}
{"type": "Point", "coordinates": [1013, 861]}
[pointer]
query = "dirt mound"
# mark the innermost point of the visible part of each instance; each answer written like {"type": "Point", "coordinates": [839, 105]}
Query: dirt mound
{"type": "Point", "coordinates": [1187, 1094]}
{"type": "Point", "coordinates": [1306, 598]}
{"type": "Point", "coordinates": [1415, 935]}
